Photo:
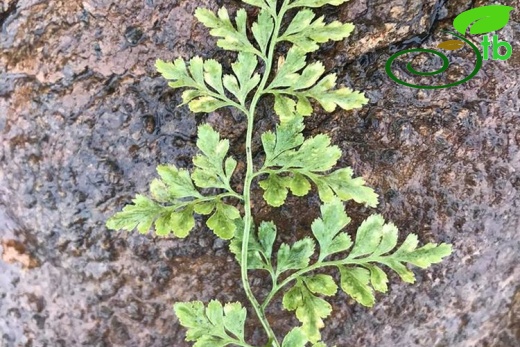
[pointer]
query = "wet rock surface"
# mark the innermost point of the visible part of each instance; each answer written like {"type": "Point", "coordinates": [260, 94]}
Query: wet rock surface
{"type": "Point", "coordinates": [84, 120]}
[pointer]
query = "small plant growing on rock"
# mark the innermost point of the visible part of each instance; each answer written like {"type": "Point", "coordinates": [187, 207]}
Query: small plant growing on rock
{"type": "Point", "coordinates": [291, 163]}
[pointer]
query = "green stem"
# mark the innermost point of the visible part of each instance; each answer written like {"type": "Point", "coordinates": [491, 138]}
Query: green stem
{"type": "Point", "coordinates": [223, 98]}
{"type": "Point", "coordinates": [276, 171]}
{"type": "Point", "coordinates": [249, 178]}
{"type": "Point", "coordinates": [315, 266]}
{"type": "Point", "coordinates": [204, 199]}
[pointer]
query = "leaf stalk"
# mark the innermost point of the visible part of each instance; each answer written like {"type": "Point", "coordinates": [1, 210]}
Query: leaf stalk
{"type": "Point", "coordinates": [250, 174]}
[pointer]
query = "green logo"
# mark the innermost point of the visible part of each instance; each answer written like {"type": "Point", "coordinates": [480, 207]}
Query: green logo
{"type": "Point", "coordinates": [480, 20]}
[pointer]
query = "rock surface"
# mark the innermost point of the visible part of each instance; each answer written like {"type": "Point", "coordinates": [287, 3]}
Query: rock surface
{"type": "Point", "coordinates": [84, 120]}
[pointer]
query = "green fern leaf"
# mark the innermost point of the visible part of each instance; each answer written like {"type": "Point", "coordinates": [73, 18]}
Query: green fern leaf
{"type": "Point", "coordinates": [294, 257]}
{"type": "Point", "coordinates": [307, 34]}
{"type": "Point", "coordinates": [310, 309]}
{"type": "Point", "coordinates": [231, 38]}
{"type": "Point", "coordinates": [287, 75]}
{"type": "Point", "coordinates": [255, 261]}
{"type": "Point", "coordinates": [355, 282]}
{"type": "Point", "coordinates": [222, 221]}
{"type": "Point", "coordinates": [266, 237]}
{"type": "Point", "coordinates": [210, 169]}
{"type": "Point", "coordinates": [275, 189]}
{"type": "Point", "coordinates": [214, 325]}
{"type": "Point", "coordinates": [327, 229]}
{"type": "Point", "coordinates": [213, 75]}
{"type": "Point", "coordinates": [321, 284]}
{"type": "Point", "coordinates": [374, 241]}
{"type": "Point", "coordinates": [316, 3]}
{"type": "Point", "coordinates": [201, 98]}
{"type": "Point", "coordinates": [179, 222]}
{"type": "Point", "coordinates": [288, 136]}
{"type": "Point", "coordinates": [329, 98]}
{"type": "Point", "coordinates": [244, 69]}
{"type": "Point", "coordinates": [141, 215]}
{"type": "Point", "coordinates": [263, 29]}
{"type": "Point", "coordinates": [340, 183]}
{"type": "Point", "coordinates": [295, 338]}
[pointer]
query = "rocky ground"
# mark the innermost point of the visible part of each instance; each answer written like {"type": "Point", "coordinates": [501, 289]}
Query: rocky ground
{"type": "Point", "coordinates": [85, 119]}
